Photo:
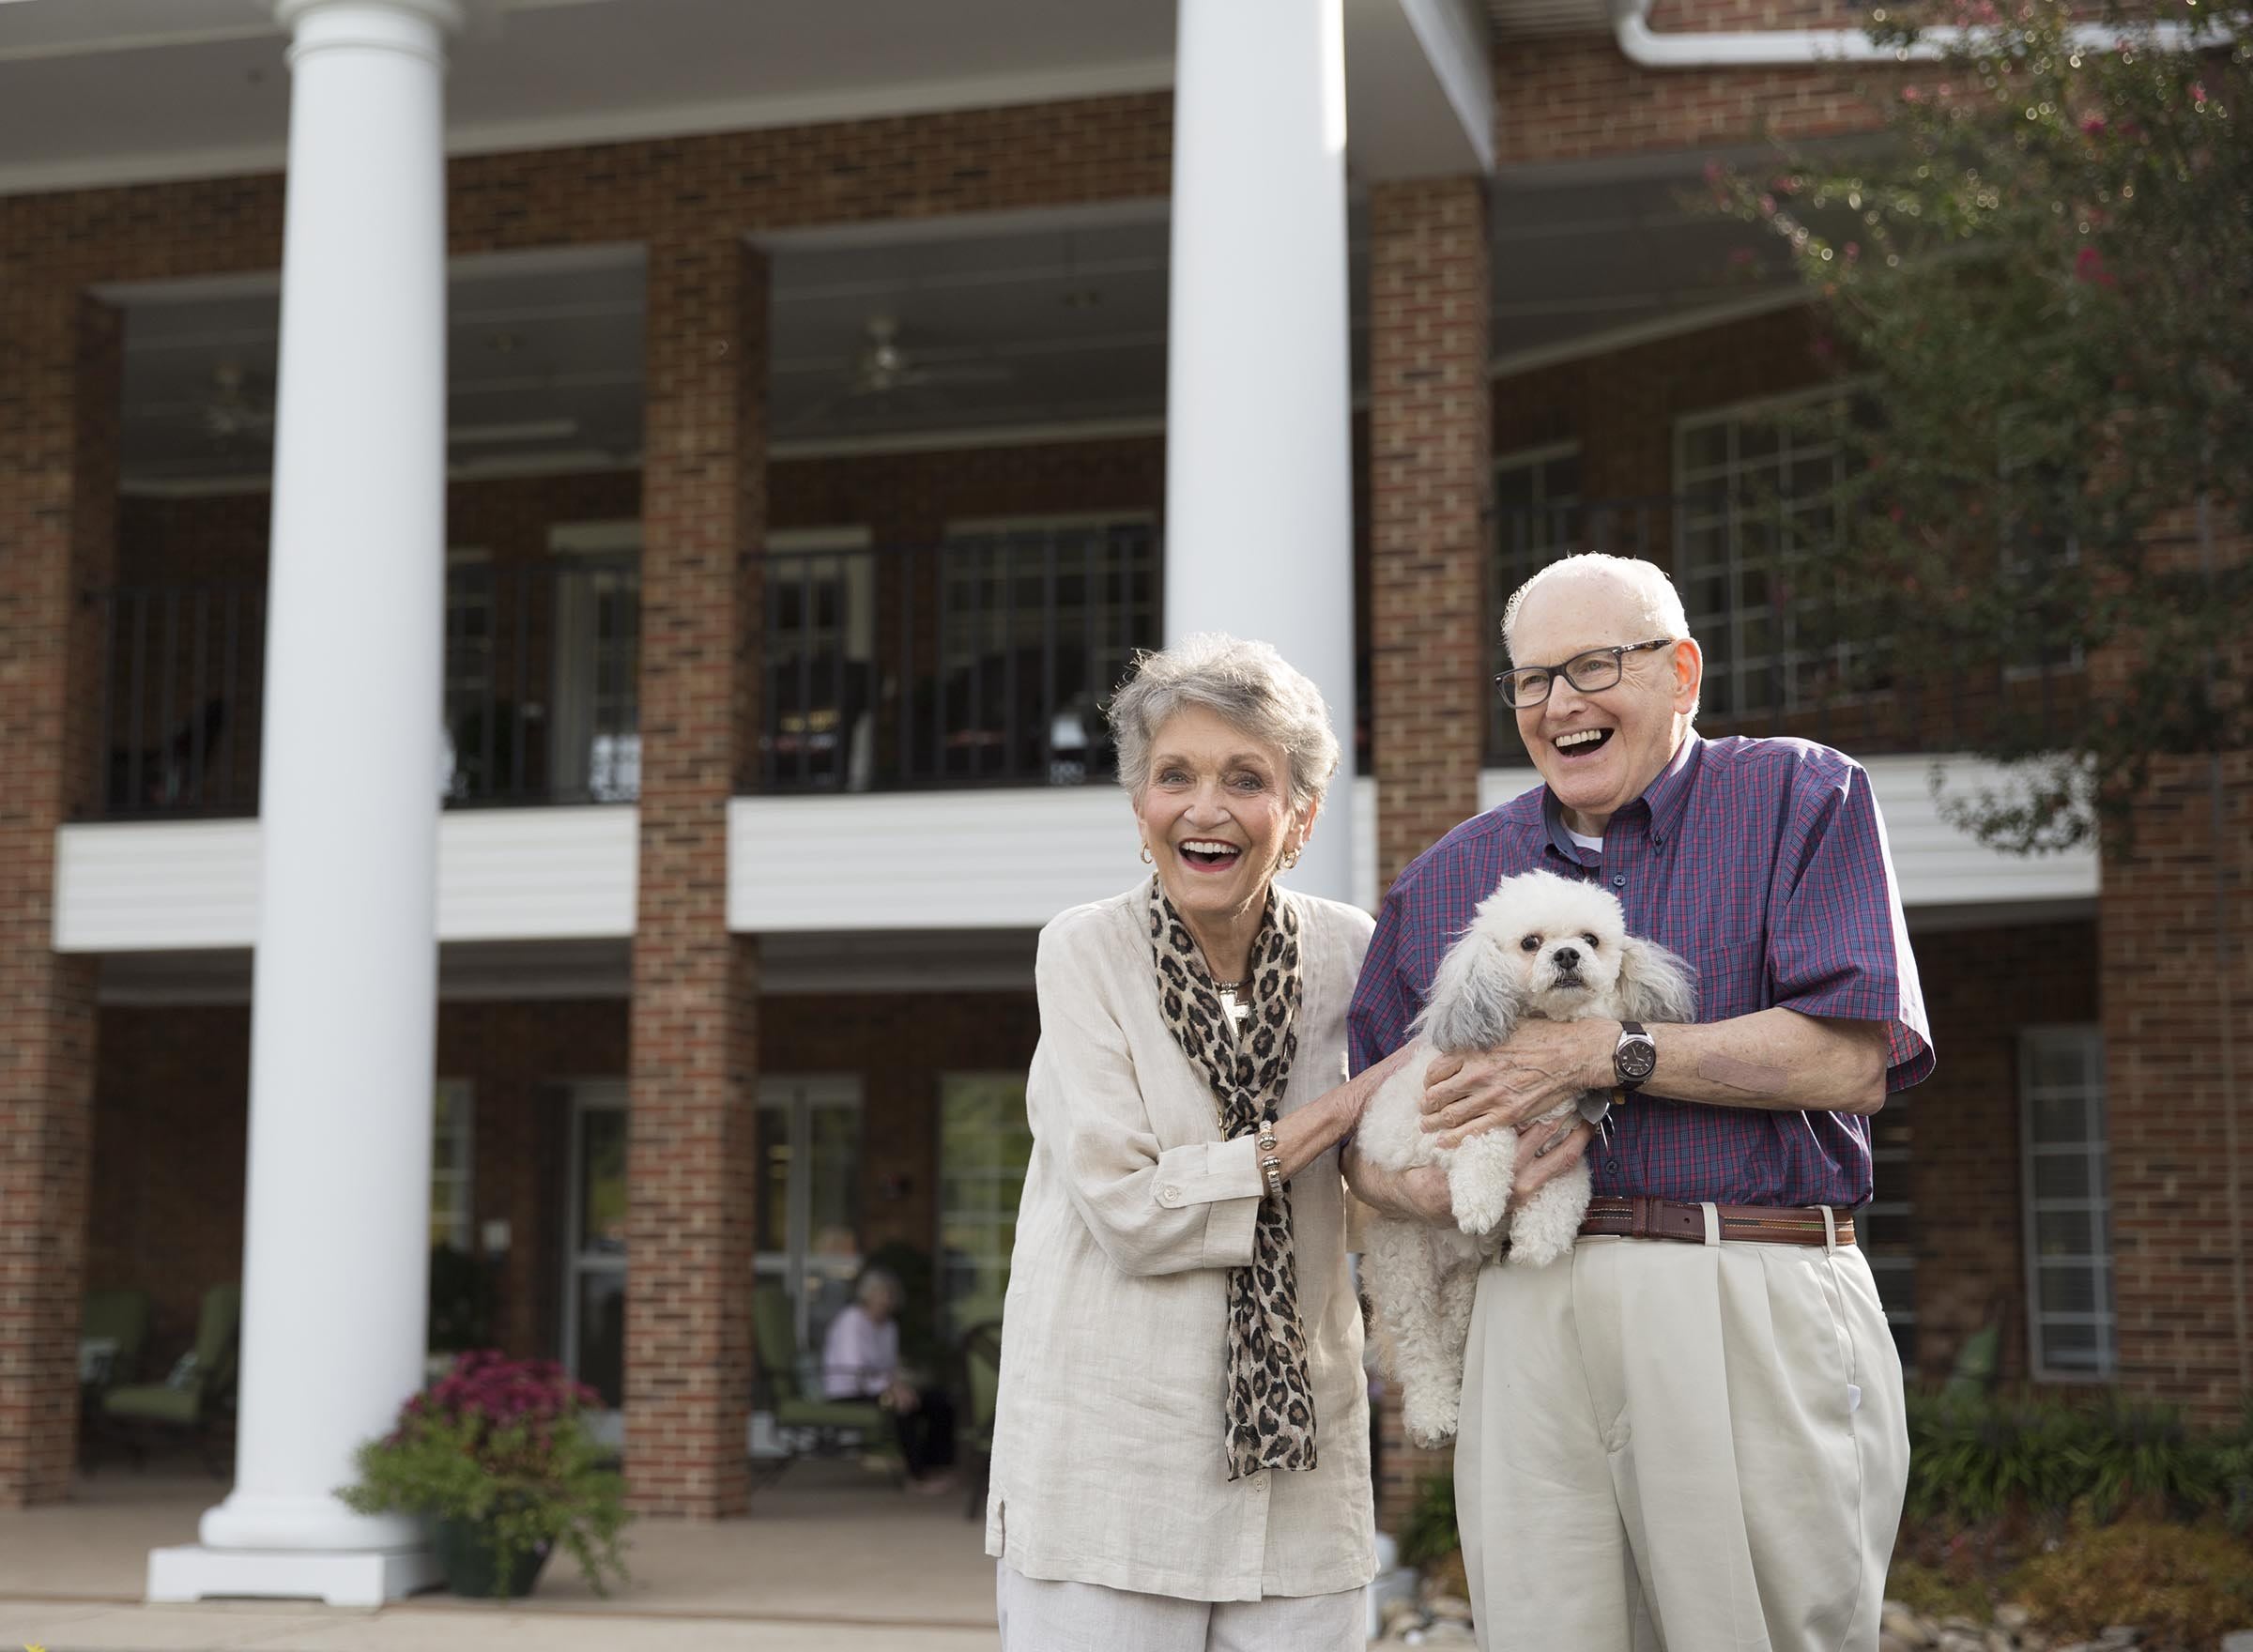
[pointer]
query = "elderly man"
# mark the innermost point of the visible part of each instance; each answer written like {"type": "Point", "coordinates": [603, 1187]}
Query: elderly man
{"type": "Point", "coordinates": [1688, 1433]}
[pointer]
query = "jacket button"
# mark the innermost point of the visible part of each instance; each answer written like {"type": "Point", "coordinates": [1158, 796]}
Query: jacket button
{"type": "Point", "coordinates": [1172, 1195]}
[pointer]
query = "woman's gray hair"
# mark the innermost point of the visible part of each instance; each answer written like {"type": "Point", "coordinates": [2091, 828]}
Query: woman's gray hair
{"type": "Point", "coordinates": [1247, 684]}
{"type": "Point", "coordinates": [879, 1279]}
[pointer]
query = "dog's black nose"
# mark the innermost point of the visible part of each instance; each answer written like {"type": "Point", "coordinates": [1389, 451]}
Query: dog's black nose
{"type": "Point", "coordinates": [1567, 957]}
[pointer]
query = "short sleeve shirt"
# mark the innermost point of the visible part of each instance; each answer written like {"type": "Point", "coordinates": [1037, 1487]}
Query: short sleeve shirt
{"type": "Point", "coordinates": [1762, 863]}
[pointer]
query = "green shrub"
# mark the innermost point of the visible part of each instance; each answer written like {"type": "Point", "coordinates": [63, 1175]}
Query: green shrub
{"type": "Point", "coordinates": [1931, 1590]}
{"type": "Point", "coordinates": [2140, 1456]}
{"type": "Point", "coordinates": [1430, 1533]}
{"type": "Point", "coordinates": [1977, 1458]}
{"type": "Point", "coordinates": [2187, 1583]}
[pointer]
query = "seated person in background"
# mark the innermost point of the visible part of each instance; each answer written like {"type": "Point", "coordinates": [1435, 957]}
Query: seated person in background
{"type": "Point", "coordinates": [859, 1360]}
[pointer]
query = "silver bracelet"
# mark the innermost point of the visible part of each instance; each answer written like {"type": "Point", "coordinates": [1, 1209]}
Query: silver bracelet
{"type": "Point", "coordinates": [1272, 1168]}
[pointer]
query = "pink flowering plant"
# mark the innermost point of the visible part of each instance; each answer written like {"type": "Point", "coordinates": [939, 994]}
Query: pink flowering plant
{"type": "Point", "coordinates": [502, 1444]}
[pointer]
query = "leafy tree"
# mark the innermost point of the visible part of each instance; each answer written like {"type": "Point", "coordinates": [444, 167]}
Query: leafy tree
{"type": "Point", "coordinates": [2042, 283]}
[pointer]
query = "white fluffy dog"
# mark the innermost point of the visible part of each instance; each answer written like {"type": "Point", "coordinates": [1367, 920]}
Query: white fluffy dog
{"type": "Point", "coordinates": [1539, 945]}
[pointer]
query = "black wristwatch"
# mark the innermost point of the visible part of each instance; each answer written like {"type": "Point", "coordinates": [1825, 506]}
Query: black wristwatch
{"type": "Point", "coordinates": [1634, 1058]}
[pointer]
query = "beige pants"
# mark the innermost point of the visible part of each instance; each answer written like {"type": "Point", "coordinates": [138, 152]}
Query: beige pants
{"type": "Point", "coordinates": [1042, 1617]}
{"type": "Point", "coordinates": [1669, 1447]}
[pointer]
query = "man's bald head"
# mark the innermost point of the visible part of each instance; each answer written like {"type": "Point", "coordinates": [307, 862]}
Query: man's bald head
{"type": "Point", "coordinates": [1648, 598]}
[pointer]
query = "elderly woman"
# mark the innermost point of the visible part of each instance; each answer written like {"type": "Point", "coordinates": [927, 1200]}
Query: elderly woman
{"type": "Point", "coordinates": [1181, 1449]}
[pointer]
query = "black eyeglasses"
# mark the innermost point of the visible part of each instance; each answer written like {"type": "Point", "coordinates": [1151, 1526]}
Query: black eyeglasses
{"type": "Point", "coordinates": [1598, 668]}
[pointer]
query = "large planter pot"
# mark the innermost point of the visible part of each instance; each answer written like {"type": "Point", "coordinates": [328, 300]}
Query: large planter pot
{"type": "Point", "coordinates": [465, 1551]}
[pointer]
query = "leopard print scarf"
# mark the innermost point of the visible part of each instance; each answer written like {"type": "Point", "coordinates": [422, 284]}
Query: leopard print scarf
{"type": "Point", "coordinates": [1268, 1416]}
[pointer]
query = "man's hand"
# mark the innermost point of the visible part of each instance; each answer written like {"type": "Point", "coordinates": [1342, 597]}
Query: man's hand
{"type": "Point", "coordinates": [1421, 1194]}
{"type": "Point", "coordinates": [1543, 1065]}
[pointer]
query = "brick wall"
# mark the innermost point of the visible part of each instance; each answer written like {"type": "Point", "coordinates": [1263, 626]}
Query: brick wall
{"type": "Point", "coordinates": [1982, 987]}
{"type": "Point", "coordinates": [58, 455]}
{"type": "Point", "coordinates": [691, 1169]}
{"type": "Point", "coordinates": [1574, 98]}
{"type": "Point", "coordinates": [1429, 483]}
{"type": "Point", "coordinates": [2175, 923]}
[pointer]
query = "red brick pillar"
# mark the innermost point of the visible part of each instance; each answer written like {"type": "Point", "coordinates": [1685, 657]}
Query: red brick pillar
{"type": "Point", "coordinates": [2177, 1064]}
{"type": "Point", "coordinates": [58, 511]}
{"type": "Point", "coordinates": [692, 1058]}
{"type": "Point", "coordinates": [1431, 420]}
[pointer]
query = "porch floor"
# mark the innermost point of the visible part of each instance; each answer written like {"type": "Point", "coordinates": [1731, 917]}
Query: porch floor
{"type": "Point", "coordinates": [831, 1558]}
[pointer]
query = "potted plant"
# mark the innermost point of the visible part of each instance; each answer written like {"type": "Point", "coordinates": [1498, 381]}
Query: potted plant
{"type": "Point", "coordinates": [498, 1456]}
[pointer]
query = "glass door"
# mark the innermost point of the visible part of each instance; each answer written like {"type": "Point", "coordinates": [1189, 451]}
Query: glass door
{"type": "Point", "coordinates": [809, 1196]}
{"type": "Point", "coordinates": [594, 1256]}
{"type": "Point", "coordinates": [984, 1144]}
{"type": "Point", "coordinates": [594, 736]}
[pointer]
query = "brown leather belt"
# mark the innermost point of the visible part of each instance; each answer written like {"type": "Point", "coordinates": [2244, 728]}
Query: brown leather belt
{"type": "Point", "coordinates": [1760, 1224]}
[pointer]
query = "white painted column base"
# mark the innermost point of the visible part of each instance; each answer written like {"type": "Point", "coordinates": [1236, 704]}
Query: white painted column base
{"type": "Point", "coordinates": [366, 1578]}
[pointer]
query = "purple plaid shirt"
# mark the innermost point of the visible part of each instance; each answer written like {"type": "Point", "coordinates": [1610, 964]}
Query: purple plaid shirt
{"type": "Point", "coordinates": [1761, 862]}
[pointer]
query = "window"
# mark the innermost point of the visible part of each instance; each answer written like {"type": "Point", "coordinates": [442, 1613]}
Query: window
{"type": "Point", "coordinates": [450, 1212]}
{"type": "Point", "coordinates": [1090, 582]}
{"type": "Point", "coordinates": [1886, 1226]}
{"type": "Point", "coordinates": [985, 1144]}
{"type": "Point", "coordinates": [1758, 485]}
{"type": "Point", "coordinates": [2068, 1202]}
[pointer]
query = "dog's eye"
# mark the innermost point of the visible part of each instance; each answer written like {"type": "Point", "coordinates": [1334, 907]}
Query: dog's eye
{"type": "Point", "coordinates": [1532, 944]}
{"type": "Point", "coordinates": [1592, 940]}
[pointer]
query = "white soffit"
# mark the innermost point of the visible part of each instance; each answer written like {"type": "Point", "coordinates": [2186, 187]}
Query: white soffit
{"type": "Point", "coordinates": [1419, 92]}
{"type": "Point", "coordinates": [503, 874]}
{"type": "Point", "coordinates": [1938, 865]}
{"type": "Point", "coordinates": [962, 860]}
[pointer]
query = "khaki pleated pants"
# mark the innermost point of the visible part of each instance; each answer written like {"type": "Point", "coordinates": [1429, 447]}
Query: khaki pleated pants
{"type": "Point", "coordinates": [1693, 1448]}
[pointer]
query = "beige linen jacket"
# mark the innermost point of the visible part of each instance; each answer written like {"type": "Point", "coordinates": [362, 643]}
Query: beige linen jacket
{"type": "Point", "coordinates": [1107, 1458]}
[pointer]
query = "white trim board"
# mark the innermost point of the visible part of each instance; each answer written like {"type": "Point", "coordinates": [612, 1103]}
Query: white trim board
{"type": "Point", "coordinates": [541, 874]}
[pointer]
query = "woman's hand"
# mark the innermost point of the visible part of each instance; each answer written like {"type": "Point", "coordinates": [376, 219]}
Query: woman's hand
{"type": "Point", "coordinates": [1543, 1065]}
{"type": "Point", "coordinates": [1306, 1135]}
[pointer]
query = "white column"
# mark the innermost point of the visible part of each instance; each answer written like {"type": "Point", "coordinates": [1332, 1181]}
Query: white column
{"type": "Point", "coordinates": [344, 983]}
{"type": "Point", "coordinates": [1259, 396]}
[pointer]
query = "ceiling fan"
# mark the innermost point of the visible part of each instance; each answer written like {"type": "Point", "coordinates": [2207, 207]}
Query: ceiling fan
{"type": "Point", "coordinates": [240, 406]}
{"type": "Point", "coordinates": [885, 373]}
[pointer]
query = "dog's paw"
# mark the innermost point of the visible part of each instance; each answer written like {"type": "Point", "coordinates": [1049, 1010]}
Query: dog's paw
{"type": "Point", "coordinates": [1479, 1210]}
{"type": "Point", "coordinates": [1429, 1419]}
{"type": "Point", "coordinates": [1536, 1250]}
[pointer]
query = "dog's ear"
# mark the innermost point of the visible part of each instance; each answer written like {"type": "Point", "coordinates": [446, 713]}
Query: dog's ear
{"type": "Point", "coordinates": [1654, 985]}
{"type": "Point", "coordinates": [1476, 998]}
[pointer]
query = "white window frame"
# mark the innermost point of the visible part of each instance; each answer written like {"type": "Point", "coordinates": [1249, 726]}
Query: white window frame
{"type": "Point", "coordinates": [2094, 1145]}
{"type": "Point", "coordinates": [1727, 661]}
{"type": "Point", "coordinates": [582, 756]}
{"type": "Point", "coordinates": [460, 1214]}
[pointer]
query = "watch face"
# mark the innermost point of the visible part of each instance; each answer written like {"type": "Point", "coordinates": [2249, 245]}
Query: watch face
{"type": "Point", "coordinates": [1637, 1058]}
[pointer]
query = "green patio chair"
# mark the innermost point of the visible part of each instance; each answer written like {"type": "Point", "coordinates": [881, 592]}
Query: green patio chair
{"type": "Point", "coordinates": [196, 1397]}
{"type": "Point", "coordinates": [978, 1360]}
{"type": "Point", "coordinates": [809, 1424]}
{"type": "Point", "coordinates": [120, 1319]}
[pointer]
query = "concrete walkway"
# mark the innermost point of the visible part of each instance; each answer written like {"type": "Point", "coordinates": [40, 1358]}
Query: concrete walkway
{"type": "Point", "coordinates": [829, 1559]}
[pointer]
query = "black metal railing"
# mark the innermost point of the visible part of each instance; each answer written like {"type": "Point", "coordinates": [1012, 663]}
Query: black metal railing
{"type": "Point", "coordinates": [1784, 653]}
{"type": "Point", "coordinates": [984, 661]}
{"type": "Point", "coordinates": [541, 700]}
{"type": "Point", "coordinates": [182, 684]}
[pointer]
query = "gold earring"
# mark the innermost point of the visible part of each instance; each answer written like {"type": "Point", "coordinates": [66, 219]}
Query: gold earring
{"type": "Point", "coordinates": [1146, 860]}
{"type": "Point", "coordinates": [1291, 859]}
